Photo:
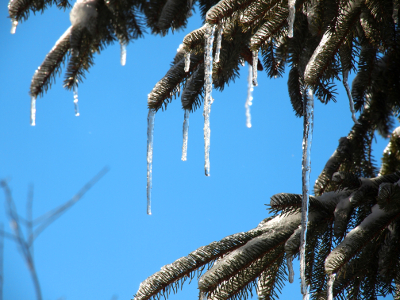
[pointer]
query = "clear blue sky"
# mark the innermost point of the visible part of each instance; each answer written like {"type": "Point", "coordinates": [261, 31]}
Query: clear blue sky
{"type": "Point", "coordinates": [106, 244]}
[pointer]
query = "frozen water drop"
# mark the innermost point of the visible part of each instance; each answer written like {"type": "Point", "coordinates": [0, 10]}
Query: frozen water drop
{"type": "Point", "coordinates": [351, 102]}
{"type": "Point", "coordinates": [33, 111]}
{"type": "Point", "coordinates": [76, 106]}
{"type": "Point", "coordinates": [187, 61]}
{"type": "Point", "coordinates": [329, 286]}
{"type": "Point", "coordinates": [14, 24]}
{"type": "Point", "coordinates": [291, 17]}
{"type": "Point", "coordinates": [219, 41]}
{"type": "Point", "coordinates": [306, 169]}
{"type": "Point", "coordinates": [185, 134]}
{"type": "Point", "coordinates": [123, 53]}
{"type": "Point", "coordinates": [150, 132]}
{"type": "Point", "coordinates": [249, 100]}
{"type": "Point", "coordinates": [255, 63]}
{"type": "Point", "coordinates": [289, 261]}
{"type": "Point", "coordinates": [208, 64]}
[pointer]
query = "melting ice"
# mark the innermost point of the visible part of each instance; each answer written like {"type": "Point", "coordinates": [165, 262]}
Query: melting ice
{"type": "Point", "coordinates": [150, 132]}
{"type": "Point", "coordinates": [185, 134]}
{"type": "Point", "coordinates": [249, 96]}
{"type": "Point", "coordinates": [76, 106]}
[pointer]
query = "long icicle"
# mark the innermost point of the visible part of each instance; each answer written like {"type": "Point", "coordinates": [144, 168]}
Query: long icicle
{"type": "Point", "coordinates": [219, 42]}
{"type": "Point", "coordinates": [306, 169]}
{"type": "Point", "coordinates": [255, 63]}
{"type": "Point", "coordinates": [329, 286]}
{"type": "Point", "coordinates": [150, 132]}
{"type": "Point", "coordinates": [249, 96]}
{"type": "Point", "coordinates": [208, 64]}
{"type": "Point", "coordinates": [76, 106]}
{"type": "Point", "coordinates": [123, 53]}
{"type": "Point", "coordinates": [291, 16]}
{"type": "Point", "coordinates": [351, 102]}
{"type": "Point", "coordinates": [185, 134]}
{"type": "Point", "coordinates": [33, 111]}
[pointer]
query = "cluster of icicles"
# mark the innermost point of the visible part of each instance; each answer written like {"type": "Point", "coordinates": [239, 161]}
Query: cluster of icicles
{"type": "Point", "coordinates": [252, 81]}
{"type": "Point", "coordinates": [208, 100]}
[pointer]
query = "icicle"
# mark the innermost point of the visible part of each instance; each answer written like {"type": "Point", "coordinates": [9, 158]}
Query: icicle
{"type": "Point", "coordinates": [395, 14]}
{"type": "Point", "coordinates": [33, 111]}
{"type": "Point", "coordinates": [219, 41]}
{"type": "Point", "coordinates": [123, 53]}
{"type": "Point", "coordinates": [208, 64]}
{"type": "Point", "coordinates": [14, 24]}
{"type": "Point", "coordinates": [329, 286]}
{"type": "Point", "coordinates": [185, 134]}
{"type": "Point", "coordinates": [306, 169]}
{"type": "Point", "coordinates": [346, 86]}
{"type": "Point", "coordinates": [76, 100]}
{"type": "Point", "coordinates": [187, 61]}
{"type": "Point", "coordinates": [292, 11]}
{"type": "Point", "coordinates": [249, 96]}
{"type": "Point", "coordinates": [255, 63]}
{"type": "Point", "coordinates": [289, 261]}
{"type": "Point", "coordinates": [150, 131]}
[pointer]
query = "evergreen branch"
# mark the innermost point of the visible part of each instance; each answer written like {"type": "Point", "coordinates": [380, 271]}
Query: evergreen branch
{"type": "Point", "coordinates": [272, 280]}
{"type": "Point", "coordinates": [173, 15]}
{"type": "Point", "coordinates": [51, 66]}
{"type": "Point", "coordinates": [269, 29]}
{"type": "Point", "coordinates": [358, 237]}
{"type": "Point", "coordinates": [295, 89]}
{"type": "Point", "coordinates": [169, 85]}
{"type": "Point", "coordinates": [330, 43]}
{"type": "Point", "coordinates": [241, 283]}
{"type": "Point", "coordinates": [183, 268]}
{"type": "Point", "coordinates": [389, 254]}
{"type": "Point", "coordinates": [225, 8]}
{"type": "Point", "coordinates": [193, 89]}
{"type": "Point", "coordinates": [391, 154]}
{"type": "Point", "coordinates": [241, 258]}
{"type": "Point", "coordinates": [194, 41]}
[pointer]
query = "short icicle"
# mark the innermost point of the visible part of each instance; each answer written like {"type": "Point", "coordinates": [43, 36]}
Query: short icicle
{"type": "Point", "coordinates": [289, 261]}
{"type": "Point", "coordinates": [255, 63]}
{"type": "Point", "coordinates": [346, 86]}
{"type": "Point", "coordinates": [33, 111]}
{"type": "Point", "coordinates": [306, 169]}
{"type": "Point", "coordinates": [150, 132]}
{"type": "Point", "coordinates": [185, 134]}
{"type": "Point", "coordinates": [249, 96]}
{"type": "Point", "coordinates": [123, 53]}
{"type": "Point", "coordinates": [187, 61]}
{"type": "Point", "coordinates": [219, 41]}
{"type": "Point", "coordinates": [14, 24]}
{"type": "Point", "coordinates": [329, 286]}
{"type": "Point", "coordinates": [76, 106]}
{"type": "Point", "coordinates": [208, 64]}
{"type": "Point", "coordinates": [291, 17]}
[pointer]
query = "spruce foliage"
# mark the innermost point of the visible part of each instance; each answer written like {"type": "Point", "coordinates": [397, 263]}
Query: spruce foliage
{"type": "Point", "coordinates": [354, 224]}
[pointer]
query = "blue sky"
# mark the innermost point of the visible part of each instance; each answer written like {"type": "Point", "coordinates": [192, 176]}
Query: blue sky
{"type": "Point", "coordinates": [105, 245]}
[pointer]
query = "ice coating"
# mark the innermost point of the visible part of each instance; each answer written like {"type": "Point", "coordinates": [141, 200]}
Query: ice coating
{"type": "Point", "coordinates": [219, 41]}
{"type": "Point", "coordinates": [14, 24]}
{"type": "Point", "coordinates": [255, 63]}
{"type": "Point", "coordinates": [150, 132]}
{"type": "Point", "coordinates": [306, 169]}
{"type": "Point", "coordinates": [185, 134]}
{"type": "Point", "coordinates": [208, 63]}
{"type": "Point", "coordinates": [329, 286]}
{"type": "Point", "coordinates": [351, 102]}
{"type": "Point", "coordinates": [123, 53]}
{"type": "Point", "coordinates": [249, 96]}
{"type": "Point", "coordinates": [289, 261]}
{"type": "Point", "coordinates": [187, 61]}
{"type": "Point", "coordinates": [33, 111]}
{"type": "Point", "coordinates": [76, 106]}
{"type": "Point", "coordinates": [292, 10]}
